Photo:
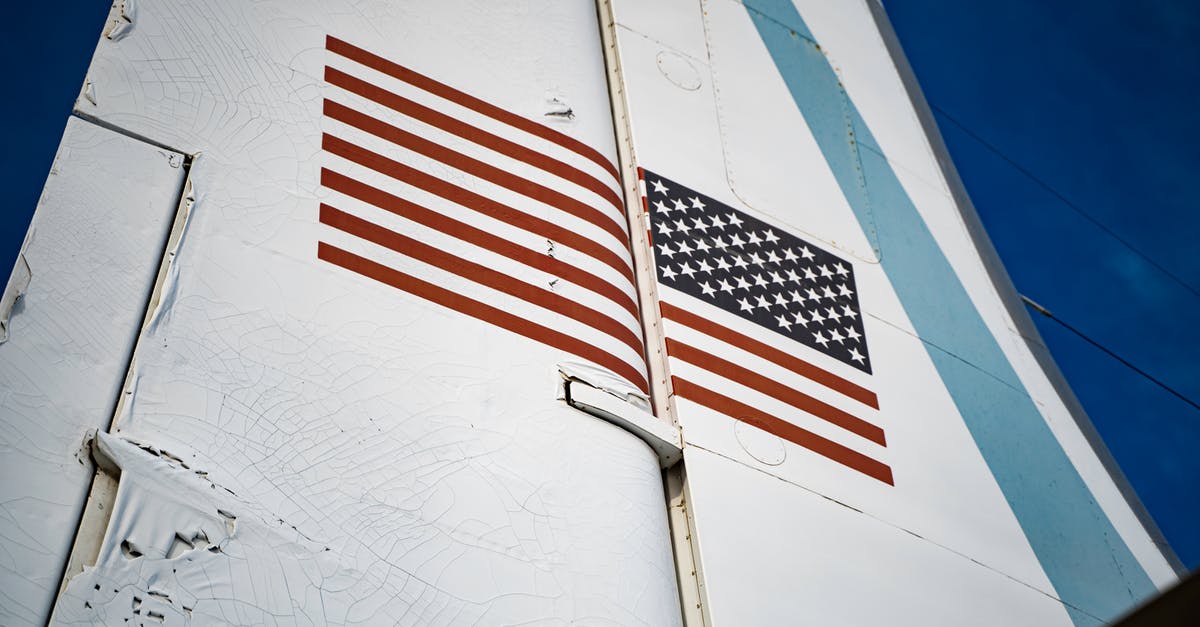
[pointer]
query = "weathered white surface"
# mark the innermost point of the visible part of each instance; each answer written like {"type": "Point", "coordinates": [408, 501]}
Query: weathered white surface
{"type": "Point", "coordinates": [872, 81]}
{"type": "Point", "coordinates": [427, 451]}
{"type": "Point", "coordinates": [733, 139]}
{"type": "Point", "coordinates": [754, 146]}
{"type": "Point", "coordinates": [679, 133]}
{"type": "Point", "coordinates": [92, 253]}
{"type": "Point", "coordinates": [777, 554]}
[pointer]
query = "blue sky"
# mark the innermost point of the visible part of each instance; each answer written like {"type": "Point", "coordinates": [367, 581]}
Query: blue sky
{"type": "Point", "coordinates": [1098, 99]}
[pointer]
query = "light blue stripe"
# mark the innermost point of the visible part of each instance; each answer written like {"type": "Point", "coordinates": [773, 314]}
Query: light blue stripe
{"type": "Point", "coordinates": [1076, 544]}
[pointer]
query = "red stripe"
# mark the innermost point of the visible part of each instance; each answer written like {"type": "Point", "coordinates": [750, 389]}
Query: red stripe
{"type": "Point", "coordinates": [478, 168]}
{"type": "Point", "coordinates": [790, 432]}
{"type": "Point", "coordinates": [436, 119]}
{"type": "Point", "coordinates": [474, 201]}
{"type": "Point", "coordinates": [774, 355]}
{"type": "Point", "coordinates": [774, 389]}
{"type": "Point", "coordinates": [478, 237]}
{"type": "Point", "coordinates": [397, 71]}
{"type": "Point", "coordinates": [479, 311]}
{"type": "Point", "coordinates": [480, 274]}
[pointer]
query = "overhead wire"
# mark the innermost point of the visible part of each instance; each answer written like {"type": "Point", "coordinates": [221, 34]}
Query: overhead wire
{"type": "Point", "coordinates": [1066, 201]}
{"type": "Point", "coordinates": [1045, 312]}
{"type": "Point", "coordinates": [1100, 225]}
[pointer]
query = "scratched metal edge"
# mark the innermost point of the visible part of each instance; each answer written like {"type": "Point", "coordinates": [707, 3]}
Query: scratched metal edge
{"type": "Point", "coordinates": [689, 575]}
{"type": "Point", "coordinates": [1007, 291]}
{"type": "Point", "coordinates": [94, 517]}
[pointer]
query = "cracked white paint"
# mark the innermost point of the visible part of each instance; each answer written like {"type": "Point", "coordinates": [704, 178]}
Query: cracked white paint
{"type": "Point", "coordinates": [387, 461]}
{"type": "Point", "coordinates": [18, 282]}
{"type": "Point", "coordinates": [178, 546]}
{"type": "Point", "coordinates": [779, 532]}
{"type": "Point", "coordinates": [604, 379]}
{"type": "Point", "coordinates": [88, 265]}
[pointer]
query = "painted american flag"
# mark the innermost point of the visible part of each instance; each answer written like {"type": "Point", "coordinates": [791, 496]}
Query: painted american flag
{"type": "Point", "coordinates": [754, 316]}
{"type": "Point", "coordinates": [452, 199]}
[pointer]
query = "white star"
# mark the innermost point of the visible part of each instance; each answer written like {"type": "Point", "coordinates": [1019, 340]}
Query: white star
{"type": "Point", "coordinates": [720, 243]}
{"type": "Point", "coordinates": [665, 250]}
{"type": "Point", "coordinates": [664, 228]}
{"type": "Point", "coordinates": [707, 288]}
{"type": "Point", "coordinates": [781, 300]}
{"type": "Point", "coordinates": [831, 314]}
{"type": "Point", "coordinates": [661, 207]}
{"type": "Point", "coordinates": [753, 238]}
{"type": "Point", "coordinates": [770, 236]}
{"type": "Point", "coordinates": [820, 338]}
{"type": "Point", "coordinates": [733, 220]}
{"type": "Point", "coordinates": [681, 227]}
{"type": "Point", "coordinates": [742, 284]}
{"type": "Point", "coordinates": [776, 278]}
{"type": "Point", "coordinates": [840, 269]}
{"type": "Point", "coordinates": [687, 270]}
{"type": "Point", "coordinates": [739, 261]}
{"type": "Point", "coordinates": [784, 322]}
{"type": "Point", "coordinates": [667, 272]}
{"type": "Point", "coordinates": [852, 334]}
{"type": "Point", "coordinates": [724, 286]}
{"type": "Point", "coordinates": [812, 294]}
{"type": "Point", "coordinates": [808, 274]}
{"type": "Point", "coordinates": [789, 255]}
{"type": "Point", "coordinates": [679, 206]}
{"type": "Point", "coordinates": [684, 249]}
{"type": "Point", "coordinates": [772, 257]}
{"type": "Point", "coordinates": [704, 267]}
{"type": "Point", "coordinates": [847, 311]}
{"type": "Point", "coordinates": [845, 291]}
{"type": "Point", "coordinates": [716, 222]}
{"type": "Point", "coordinates": [721, 263]}
{"type": "Point", "coordinates": [760, 282]}
{"type": "Point", "coordinates": [745, 304]}
{"type": "Point", "coordinates": [836, 336]}
{"type": "Point", "coordinates": [792, 276]}
{"type": "Point", "coordinates": [825, 272]}
{"type": "Point", "coordinates": [702, 245]}
{"type": "Point", "coordinates": [698, 223]}
{"type": "Point", "coordinates": [797, 297]}
{"type": "Point", "coordinates": [659, 187]}
{"type": "Point", "coordinates": [855, 355]}
{"type": "Point", "coordinates": [736, 241]}
{"type": "Point", "coordinates": [815, 316]}
{"type": "Point", "coordinates": [696, 202]}
{"type": "Point", "coordinates": [799, 319]}
{"type": "Point", "coordinates": [756, 259]}
{"type": "Point", "coordinates": [763, 302]}
{"type": "Point", "coordinates": [828, 292]}
{"type": "Point", "coordinates": [806, 253]}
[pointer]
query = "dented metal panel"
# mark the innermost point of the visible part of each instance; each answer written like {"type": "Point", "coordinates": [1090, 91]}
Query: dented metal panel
{"type": "Point", "coordinates": [72, 311]}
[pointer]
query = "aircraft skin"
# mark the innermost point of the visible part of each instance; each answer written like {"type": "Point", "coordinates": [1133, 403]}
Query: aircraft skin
{"type": "Point", "coordinates": [633, 313]}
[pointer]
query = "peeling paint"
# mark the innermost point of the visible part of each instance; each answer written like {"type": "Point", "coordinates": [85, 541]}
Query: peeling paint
{"type": "Point", "coordinates": [165, 296]}
{"type": "Point", "coordinates": [18, 282]}
{"type": "Point", "coordinates": [74, 304]}
{"type": "Point", "coordinates": [121, 23]}
{"type": "Point", "coordinates": [305, 448]}
{"type": "Point", "coordinates": [174, 551]}
{"type": "Point", "coordinates": [606, 380]}
{"type": "Point", "coordinates": [558, 109]}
